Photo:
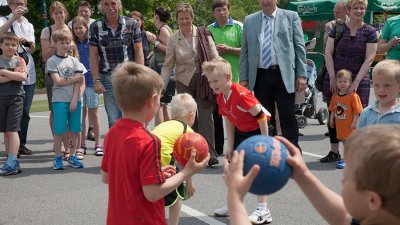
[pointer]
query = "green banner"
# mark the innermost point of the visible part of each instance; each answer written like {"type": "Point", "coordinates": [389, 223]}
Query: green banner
{"type": "Point", "coordinates": [384, 6]}
{"type": "Point", "coordinates": [323, 9]}
{"type": "Point", "coordinates": [313, 9]}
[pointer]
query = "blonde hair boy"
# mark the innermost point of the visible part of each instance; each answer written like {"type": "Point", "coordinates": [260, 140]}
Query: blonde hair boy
{"type": "Point", "coordinates": [183, 111]}
{"type": "Point", "coordinates": [244, 117]}
{"type": "Point", "coordinates": [379, 144]}
{"type": "Point", "coordinates": [371, 181]}
{"type": "Point", "coordinates": [134, 85]}
{"type": "Point", "coordinates": [218, 66]}
{"type": "Point", "coordinates": [343, 73]}
{"type": "Point", "coordinates": [61, 35]}
{"type": "Point", "coordinates": [387, 68]}
{"type": "Point", "coordinates": [386, 83]}
{"type": "Point", "coordinates": [132, 154]}
{"type": "Point", "coordinates": [183, 106]}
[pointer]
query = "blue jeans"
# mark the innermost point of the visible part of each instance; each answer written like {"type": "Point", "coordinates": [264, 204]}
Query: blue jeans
{"type": "Point", "coordinates": [112, 109]}
{"type": "Point", "coordinates": [29, 92]}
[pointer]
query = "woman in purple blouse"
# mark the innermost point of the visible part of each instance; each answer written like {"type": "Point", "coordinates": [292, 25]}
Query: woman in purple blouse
{"type": "Point", "coordinates": [355, 51]}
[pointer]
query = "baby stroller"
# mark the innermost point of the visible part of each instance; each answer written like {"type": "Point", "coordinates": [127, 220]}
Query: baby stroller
{"type": "Point", "coordinates": [308, 107]}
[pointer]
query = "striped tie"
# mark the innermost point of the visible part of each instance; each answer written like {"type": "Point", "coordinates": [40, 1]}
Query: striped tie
{"type": "Point", "coordinates": [267, 43]}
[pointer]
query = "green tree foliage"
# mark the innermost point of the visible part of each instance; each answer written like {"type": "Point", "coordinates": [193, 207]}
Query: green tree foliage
{"type": "Point", "coordinates": [202, 9]}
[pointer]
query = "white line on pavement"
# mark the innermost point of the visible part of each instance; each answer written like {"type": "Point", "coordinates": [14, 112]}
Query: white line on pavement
{"type": "Point", "coordinates": [313, 155]}
{"type": "Point", "coordinates": [201, 216]}
{"type": "Point", "coordinates": [38, 116]}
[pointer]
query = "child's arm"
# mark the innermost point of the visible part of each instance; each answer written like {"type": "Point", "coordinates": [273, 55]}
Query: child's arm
{"type": "Point", "coordinates": [13, 75]}
{"type": "Point", "coordinates": [63, 82]}
{"type": "Point", "coordinates": [355, 121]}
{"type": "Point", "coordinates": [238, 185]}
{"type": "Point", "coordinates": [104, 177]}
{"type": "Point", "coordinates": [332, 112]}
{"type": "Point", "coordinates": [190, 188]}
{"type": "Point", "coordinates": [357, 110]}
{"type": "Point", "coordinates": [3, 79]}
{"type": "Point", "coordinates": [328, 203]}
{"type": "Point", "coordinates": [332, 120]}
{"type": "Point", "coordinates": [75, 94]}
{"type": "Point", "coordinates": [83, 85]}
{"type": "Point", "coordinates": [262, 118]}
{"type": "Point", "coordinates": [230, 135]}
{"type": "Point", "coordinates": [154, 192]}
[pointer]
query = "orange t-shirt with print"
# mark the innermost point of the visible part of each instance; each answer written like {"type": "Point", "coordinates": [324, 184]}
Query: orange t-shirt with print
{"type": "Point", "coordinates": [345, 107]}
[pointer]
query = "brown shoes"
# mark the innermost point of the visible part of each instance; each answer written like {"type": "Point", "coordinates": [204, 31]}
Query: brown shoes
{"type": "Point", "coordinates": [90, 134]}
{"type": "Point", "coordinates": [24, 150]}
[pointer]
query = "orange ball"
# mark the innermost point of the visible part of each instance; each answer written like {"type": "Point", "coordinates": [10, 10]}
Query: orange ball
{"type": "Point", "coordinates": [186, 143]}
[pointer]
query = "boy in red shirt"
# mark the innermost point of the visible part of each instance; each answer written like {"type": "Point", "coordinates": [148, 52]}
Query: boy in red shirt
{"type": "Point", "coordinates": [244, 117]}
{"type": "Point", "coordinates": [131, 164]}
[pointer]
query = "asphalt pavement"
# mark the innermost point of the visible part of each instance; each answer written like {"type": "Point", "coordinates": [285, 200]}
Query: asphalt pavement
{"type": "Point", "coordinates": [41, 195]}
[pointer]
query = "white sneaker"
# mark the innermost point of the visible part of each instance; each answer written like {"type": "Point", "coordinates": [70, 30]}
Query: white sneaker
{"type": "Point", "coordinates": [222, 212]}
{"type": "Point", "coordinates": [260, 216]}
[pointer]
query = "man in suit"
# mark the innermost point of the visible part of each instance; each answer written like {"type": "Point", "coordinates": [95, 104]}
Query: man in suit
{"type": "Point", "coordinates": [273, 65]}
{"type": "Point", "coordinates": [274, 73]}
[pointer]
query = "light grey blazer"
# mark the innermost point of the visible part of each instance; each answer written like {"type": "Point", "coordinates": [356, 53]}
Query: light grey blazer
{"type": "Point", "coordinates": [288, 44]}
{"type": "Point", "coordinates": [185, 59]}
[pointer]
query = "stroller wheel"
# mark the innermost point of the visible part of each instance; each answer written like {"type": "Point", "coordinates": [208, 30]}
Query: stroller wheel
{"type": "Point", "coordinates": [301, 121]}
{"type": "Point", "coordinates": [322, 116]}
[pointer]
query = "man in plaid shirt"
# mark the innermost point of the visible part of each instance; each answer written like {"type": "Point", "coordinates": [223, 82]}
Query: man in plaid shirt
{"type": "Point", "coordinates": [113, 39]}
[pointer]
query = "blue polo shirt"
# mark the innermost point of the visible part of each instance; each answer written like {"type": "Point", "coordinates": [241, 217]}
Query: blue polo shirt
{"type": "Point", "coordinates": [83, 49]}
{"type": "Point", "coordinates": [114, 46]}
{"type": "Point", "coordinates": [230, 35]}
{"type": "Point", "coordinates": [371, 115]}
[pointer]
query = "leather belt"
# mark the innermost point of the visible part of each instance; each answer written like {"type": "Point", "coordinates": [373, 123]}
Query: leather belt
{"type": "Point", "coordinates": [272, 67]}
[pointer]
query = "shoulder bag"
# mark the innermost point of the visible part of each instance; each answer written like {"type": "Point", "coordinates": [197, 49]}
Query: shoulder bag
{"type": "Point", "coordinates": [319, 82]}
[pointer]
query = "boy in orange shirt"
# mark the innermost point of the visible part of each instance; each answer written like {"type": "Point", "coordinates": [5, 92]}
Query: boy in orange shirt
{"type": "Point", "coordinates": [345, 107]}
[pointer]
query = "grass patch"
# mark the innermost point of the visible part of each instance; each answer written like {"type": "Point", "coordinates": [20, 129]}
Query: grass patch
{"type": "Point", "coordinates": [42, 106]}
{"type": "Point", "coordinates": [39, 106]}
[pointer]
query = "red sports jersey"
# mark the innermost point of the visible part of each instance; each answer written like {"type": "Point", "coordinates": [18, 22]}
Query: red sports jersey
{"type": "Point", "coordinates": [132, 159]}
{"type": "Point", "coordinates": [236, 107]}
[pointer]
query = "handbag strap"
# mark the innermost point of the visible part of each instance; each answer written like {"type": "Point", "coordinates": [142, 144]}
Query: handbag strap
{"type": "Point", "coordinates": [159, 30]}
{"type": "Point", "coordinates": [158, 39]}
{"type": "Point", "coordinates": [339, 31]}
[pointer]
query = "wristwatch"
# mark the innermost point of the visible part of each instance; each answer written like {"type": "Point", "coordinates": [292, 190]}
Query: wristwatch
{"type": "Point", "coordinates": [156, 43]}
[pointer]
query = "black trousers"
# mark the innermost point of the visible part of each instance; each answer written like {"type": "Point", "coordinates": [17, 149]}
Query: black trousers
{"type": "Point", "coordinates": [219, 131]}
{"type": "Point", "coordinates": [269, 88]}
{"type": "Point", "coordinates": [332, 131]}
